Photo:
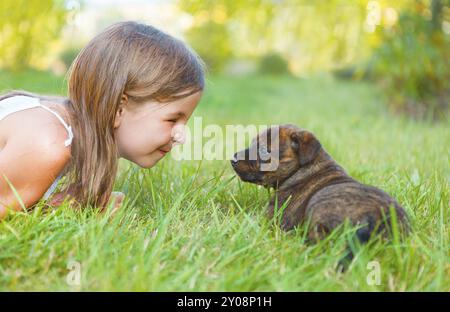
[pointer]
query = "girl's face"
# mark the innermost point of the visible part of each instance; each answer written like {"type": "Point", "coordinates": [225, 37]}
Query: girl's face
{"type": "Point", "coordinates": [146, 132]}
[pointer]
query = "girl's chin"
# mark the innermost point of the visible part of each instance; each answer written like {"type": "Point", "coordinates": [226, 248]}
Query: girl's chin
{"type": "Point", "coordinates": [147, 165]}
{"type": "Point", "coordinates": [149, 160]}
{"type": "Point", "coordinates": [153, 159]}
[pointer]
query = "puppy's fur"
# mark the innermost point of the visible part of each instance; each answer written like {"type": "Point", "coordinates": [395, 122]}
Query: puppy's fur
{"type": "Point", "coordinates": [318, 190]}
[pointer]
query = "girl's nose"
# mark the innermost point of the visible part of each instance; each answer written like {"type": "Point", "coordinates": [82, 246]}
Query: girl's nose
{"type": "Point", "coordinates": [178, 134]}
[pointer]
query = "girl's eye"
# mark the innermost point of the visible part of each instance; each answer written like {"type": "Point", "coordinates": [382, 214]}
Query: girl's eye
{"type": "Point", "coordinates": [172, 120]}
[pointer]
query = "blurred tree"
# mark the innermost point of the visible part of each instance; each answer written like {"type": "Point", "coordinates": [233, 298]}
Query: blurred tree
{"type": "Point", "coordinates": [311, 35]}
{"type": "Point", "coordinates": [212, 33]}
{"type": "Point", "coordinates": [69, 54]}
{"type": "Point", "coordinates": [273, 64]}
{"type": "Point", "coordinates": [413, 61]}
{"type": "Point", "coordinates": [27, 27]}
{"type": "Point", "coordinates": [436, 13]}
{"type": "Point", "coordinates": [214, 49]}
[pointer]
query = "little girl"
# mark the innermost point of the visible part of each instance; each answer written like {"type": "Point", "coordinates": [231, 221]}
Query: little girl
{"type": "Point", "coordinates": [131, 90]}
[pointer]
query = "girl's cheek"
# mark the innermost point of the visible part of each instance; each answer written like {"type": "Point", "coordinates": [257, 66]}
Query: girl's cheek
{"type": "Point", "coordinates": [163, 134]}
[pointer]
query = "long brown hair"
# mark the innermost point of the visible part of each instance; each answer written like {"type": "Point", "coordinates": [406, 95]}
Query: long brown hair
{"type": "Point", "coordinates": [128, 58]}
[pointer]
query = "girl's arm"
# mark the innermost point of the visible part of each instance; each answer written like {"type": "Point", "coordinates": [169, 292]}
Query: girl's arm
{"type": "Point", "coordinates": [27, 169]}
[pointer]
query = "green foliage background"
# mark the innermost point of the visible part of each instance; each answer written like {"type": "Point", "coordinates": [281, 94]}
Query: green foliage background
{"type": "Point", "coordinates": [27, 28]}
{"type": "Point", "coordinates": [413, 63]}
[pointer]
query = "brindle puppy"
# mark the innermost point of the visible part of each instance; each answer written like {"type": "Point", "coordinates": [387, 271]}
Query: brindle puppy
{"type": "Point", "coordinates": [318, 190]}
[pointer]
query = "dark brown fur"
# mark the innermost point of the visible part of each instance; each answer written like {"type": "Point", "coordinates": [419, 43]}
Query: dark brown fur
{"type": "Point", "coordinates": [318, 189]}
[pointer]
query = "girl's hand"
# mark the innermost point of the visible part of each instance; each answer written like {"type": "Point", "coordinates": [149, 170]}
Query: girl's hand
{"type": "Point", "coordinates": [58, 198]}
{"type": "Point", "coordinates": [118, 198]}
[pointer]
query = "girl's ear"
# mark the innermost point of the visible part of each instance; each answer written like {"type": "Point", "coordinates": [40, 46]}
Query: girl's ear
{"type": "Point", "coordinates": [120, 111]}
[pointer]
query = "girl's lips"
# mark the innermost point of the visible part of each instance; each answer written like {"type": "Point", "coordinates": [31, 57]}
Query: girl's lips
{"type": "Point", "coordinates": [163, 152]}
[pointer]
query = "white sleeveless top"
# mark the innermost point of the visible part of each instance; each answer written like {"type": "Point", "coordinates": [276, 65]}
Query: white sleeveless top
{"type": "Point", "coordinates": [22, 102]}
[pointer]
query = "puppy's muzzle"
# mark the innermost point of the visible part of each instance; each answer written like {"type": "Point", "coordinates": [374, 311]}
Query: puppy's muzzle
{"type": "Point", "coordinates": [245, 168]}
{"type": "Point", "coordinates": [242, 158]}
{"type": "Point", "coordinates": [234, 160]}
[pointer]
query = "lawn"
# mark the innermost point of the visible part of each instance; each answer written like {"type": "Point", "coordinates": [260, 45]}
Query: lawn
{"type": "Point", "coordinates": [191, 225]}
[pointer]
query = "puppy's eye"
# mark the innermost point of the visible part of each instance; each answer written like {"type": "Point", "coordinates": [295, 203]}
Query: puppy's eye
{"type": "Point", "coordinates": [264, 153]}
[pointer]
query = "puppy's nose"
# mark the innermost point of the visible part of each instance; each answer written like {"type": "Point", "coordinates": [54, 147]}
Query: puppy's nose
{"type": "Point", "coordinates": [234, 160]}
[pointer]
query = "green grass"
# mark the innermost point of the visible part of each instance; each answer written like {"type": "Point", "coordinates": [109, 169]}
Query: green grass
{"type": "Point", "coordinates": [191, 225]}
{"type": "Point", "coordinates": [32, 80]}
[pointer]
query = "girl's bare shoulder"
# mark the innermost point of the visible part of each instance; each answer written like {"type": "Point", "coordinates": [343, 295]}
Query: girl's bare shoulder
{"type": "Point", "coordinates": [34, 126]}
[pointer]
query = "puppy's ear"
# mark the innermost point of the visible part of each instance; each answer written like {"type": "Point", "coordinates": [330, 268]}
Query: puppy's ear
{"type": "Point", "coordinates": [306, 145]}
